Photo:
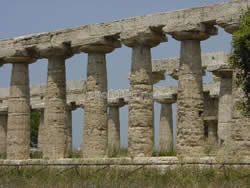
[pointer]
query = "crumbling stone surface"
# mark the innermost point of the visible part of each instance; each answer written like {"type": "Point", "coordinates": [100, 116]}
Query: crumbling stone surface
{"type": "Point", "coordinates": [18, 129]}
{"type": "Point", "coordinates": [113, 129]}
{"type": "Point", "coordinates": [140, 131]}
{"type": "Point", "coordinates": [55, 110]}
{"type": "Point", "coordinates": [95, 109]}
{"type": "Point", "coordinates": [166, 128]}
{"type": "Point", "coordinates": [190, 109]}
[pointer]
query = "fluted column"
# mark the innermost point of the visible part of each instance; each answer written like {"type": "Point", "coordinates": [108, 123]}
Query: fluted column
{"type": "Point", "coordinates": [18, 129]}
{"type": "Point", "coordinates": [225, 106]}
{"type": "Point", "coordinates": [114, 127]}
{"type": "Point", "coordinates": [166, 128]}
{"type": "Point", "coordinates": [68, 132]}
{"type": "Point", "coordinates": [55, 109]}
{"type": "Point", "coordinates": [95, 132]}
{"type": "Point", "coordinates": [41, 131]}
{"type": "Point", "coordinates": [3, 132]}
{"type": "Point", "coordinates": [190, 126]}
{"type": "Point", "coordinates": [140, 125]}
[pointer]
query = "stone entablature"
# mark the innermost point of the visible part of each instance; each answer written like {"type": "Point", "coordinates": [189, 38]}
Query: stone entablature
{"type": "Point", "coordinates": [76, 40]}
{"type": "Point", "coordinates": [76, 95]}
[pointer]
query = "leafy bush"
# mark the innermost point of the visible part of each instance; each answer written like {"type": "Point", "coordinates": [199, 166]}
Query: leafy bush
{"type": "Point", "coordinates": [240, 59]}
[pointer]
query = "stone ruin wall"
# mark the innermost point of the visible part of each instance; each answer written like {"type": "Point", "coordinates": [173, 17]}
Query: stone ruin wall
{"type": "Point", "coordinates": [202, 110]}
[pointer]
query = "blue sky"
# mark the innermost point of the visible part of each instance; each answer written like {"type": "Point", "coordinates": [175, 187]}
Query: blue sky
{"type": "Point", "coordinates": [19, 17]}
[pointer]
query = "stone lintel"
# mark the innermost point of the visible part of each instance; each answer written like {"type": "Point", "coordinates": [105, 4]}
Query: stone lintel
{"type": "Point", "coordinates": [20, 56]}
{"type": "Point", "coordinates": [167, 100]}
{"type": "Point", "coordinates": [210, 118]}
{"type": "Point", "coordinates": [210, 62]}
{"type": "Point", "coordinates": [158, 76]}
{"type": "Point", "coordinates": [224, 73]}
{"type": "Point", "coordinates": [76, 95]}
{"type": "Point", "coordinates": [104, 45]}
{"type": "Point", "coordinates": [202, 32]}
{"type": "Point", "coordinates": [150, 37]}
{"type": "Point", "coordinates": [222, 14]}
{"type": "Point", "coordinates": [61, 50]}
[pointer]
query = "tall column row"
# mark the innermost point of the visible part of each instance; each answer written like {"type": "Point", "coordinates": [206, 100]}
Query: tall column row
{"type": "Point", "coordinates": [101, 127]}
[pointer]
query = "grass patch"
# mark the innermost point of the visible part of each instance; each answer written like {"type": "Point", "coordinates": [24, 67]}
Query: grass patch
{"type": "Point", "coordinates": [117, 152]}
{"type": "Point", "coordinates": [75, 154]}
{"type": "Point", "coordinates": [134, 177]}
{"type": "Point", "coordinates": [163, 153]}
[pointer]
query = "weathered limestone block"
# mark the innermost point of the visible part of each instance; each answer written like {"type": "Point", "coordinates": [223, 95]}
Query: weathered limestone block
{"type": "Point", "coordinates": [240, 124]}
{"type": "Point", "coordinates": [240, 142]}
{"type": "Point", "coordinates": [55, 109]}
{"type": "Point", "coordinates": [166, 128]}
{"type": "Point", "coordinates": [95, 108]}
{"type": "Point", "coordinates": [3, 133]}
{"type": "Point", "coordinates": [190, 103]}
{"type": "Point", "coordinates": [68, 150]}
{"type": "Point", "coordinates": [140, 130]}
{"type": "Point", "coordinates": [18, 129]}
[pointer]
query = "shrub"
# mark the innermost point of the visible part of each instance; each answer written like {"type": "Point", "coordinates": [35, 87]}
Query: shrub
{"type": "Point", "coordinates": [240, 59]}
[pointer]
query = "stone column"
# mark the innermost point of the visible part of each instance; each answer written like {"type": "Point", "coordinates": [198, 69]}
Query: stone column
{"type": "Point", "coordinates": [211, 119]}
{"type": "Point", "coordinates": [114, 127]}
{"type": "Point", "coordinates": [225, 105]}
{"type": "Point", "coordinates": [190, 126]}
{"type": "Point", "coordinates": [166, 128]}
{"type": "Point", "coordinates": [55, 109]}
{"type": "Point", "coordinates": [212, 135]}
{"type": "Point", "coordinates": [3, 132]}
{"type": "Point", "coordinates": [41, 131]}
{"type": "Point", "coordinates": [140, 128]}
{"type": "Point", "coordinates": [95, 132]}
{"type": "Point", "coordinates": [68, 149]}
{"type": "Point", "coordinates": [18, 129]}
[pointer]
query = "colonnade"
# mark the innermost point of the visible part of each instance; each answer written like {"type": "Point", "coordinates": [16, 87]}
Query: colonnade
{"type": "Point", "coordinates": [101, 127]}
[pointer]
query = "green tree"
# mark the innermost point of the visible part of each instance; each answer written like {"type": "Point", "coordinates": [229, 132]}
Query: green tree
{"type": "Point", "coordinates": [34, 124]}
{"type": "Point", "coordinates": [240, 59]}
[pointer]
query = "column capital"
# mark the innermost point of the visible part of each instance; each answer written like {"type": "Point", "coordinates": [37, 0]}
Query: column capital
{"type": "Point", "coordinates": [202, 32]}
{"type": "Point", "coordinates": [150, 37]}
{"type": "Point", "coordinates": [102, 45]}
{"type": "Point", "coordinates": [158, 76]}
{"type": "Point", "coordinates": [167, 100]}
{"type": "Point", "coordinates": [22, 56]}
{"type": "Point", "coordinates": [63, 51]}
{"type": "Point", "coordinates": [119, 102]}
{"type": "Point", "coordinates": [223, 73]}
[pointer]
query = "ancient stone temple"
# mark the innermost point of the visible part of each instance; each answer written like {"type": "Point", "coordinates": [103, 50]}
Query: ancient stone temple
{"type": "Point", "coordinates": [206, 115]}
